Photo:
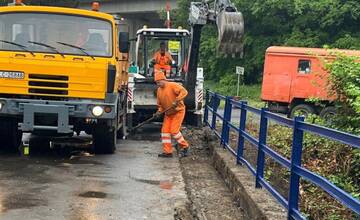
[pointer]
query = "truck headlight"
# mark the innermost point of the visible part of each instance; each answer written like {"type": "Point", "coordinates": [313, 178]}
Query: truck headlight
{"type": "Point", "coordinates": [97, 111]}
{"type": "Point", "coordinates": [1, 105]}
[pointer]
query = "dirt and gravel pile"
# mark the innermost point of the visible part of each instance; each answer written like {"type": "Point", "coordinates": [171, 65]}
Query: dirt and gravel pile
{"type": "Point", "coordinates": [209, 196]}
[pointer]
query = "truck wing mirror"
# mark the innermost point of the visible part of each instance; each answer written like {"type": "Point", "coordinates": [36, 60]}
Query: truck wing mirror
{"type": "Point", "coordinates": [124, 43]}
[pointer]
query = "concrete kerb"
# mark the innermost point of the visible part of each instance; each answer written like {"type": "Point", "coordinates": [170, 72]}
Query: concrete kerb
{"type": "Point", "coordinates": [257, 203]}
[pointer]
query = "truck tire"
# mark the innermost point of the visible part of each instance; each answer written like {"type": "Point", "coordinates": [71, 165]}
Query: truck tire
{"type": "Point", "coordinates": [328, 112]}
{"type": "Point", "coordinates": [104, 140]}
{"type": "Point", "coordinates": [10, 136]}
{"type": "Point", "coordinates": [302, 110]}
{"type": "Point", "coordinates": [193, 119]}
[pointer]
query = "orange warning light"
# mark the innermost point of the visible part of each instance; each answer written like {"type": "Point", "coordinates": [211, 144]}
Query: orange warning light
{"type": "Point", "coordinates": [95, 6]}
{"type": "Point", "coordinates": [18, 2]}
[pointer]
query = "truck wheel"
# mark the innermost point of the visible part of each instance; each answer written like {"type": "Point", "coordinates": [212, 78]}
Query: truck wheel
{"type": "Point", "coordinates": [302, 110]}
{"type": "Point", "coordinates": [328, 113]}
{"type": "Point", "coordinates": [193, 119]}
{"type": "Point", "coordinates": [104, 140]}
{"type": "Point", "coordinates": [11, 136]}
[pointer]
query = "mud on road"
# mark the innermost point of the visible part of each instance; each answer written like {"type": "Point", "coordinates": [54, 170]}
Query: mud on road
{"type": "Point", "coordinates": [209, 197]}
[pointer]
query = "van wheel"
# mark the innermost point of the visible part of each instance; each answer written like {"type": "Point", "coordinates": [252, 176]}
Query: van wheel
{"type": "Point", "coordinates": [10, 136]}
{"type": "Point", "coordinates": [328, 113]}
{"type": "Point", "coordinates": [302, 110]}
{"type": "Point", "coordinates": [104, 140]}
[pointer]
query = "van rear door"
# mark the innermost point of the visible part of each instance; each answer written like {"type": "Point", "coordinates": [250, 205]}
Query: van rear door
{"type": "Point", "coordinates": [277, 77]}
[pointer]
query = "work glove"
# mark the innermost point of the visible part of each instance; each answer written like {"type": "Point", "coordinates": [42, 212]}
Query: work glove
{"type": "Point", "coordinates": [175, 104]}
{"type": "Point", "coordinates": [157, 115]}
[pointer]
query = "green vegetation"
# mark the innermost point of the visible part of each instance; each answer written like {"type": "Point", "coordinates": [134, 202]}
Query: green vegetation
{"type": "Point", "coordinates": [305, 23]}
{"type": "Point", "coordinates": [337, 162]}
{"type": "Point", "coordinates": [345, 82]}
{"type": "Point", "coordinates": [228, 86]}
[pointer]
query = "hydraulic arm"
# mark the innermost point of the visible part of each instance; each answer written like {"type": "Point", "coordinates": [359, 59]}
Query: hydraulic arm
{"type": "Point", "coordinates": [230, 25]}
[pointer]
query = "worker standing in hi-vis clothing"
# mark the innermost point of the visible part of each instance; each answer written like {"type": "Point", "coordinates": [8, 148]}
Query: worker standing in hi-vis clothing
{"type": "Point", "coordinates": [170, 96]}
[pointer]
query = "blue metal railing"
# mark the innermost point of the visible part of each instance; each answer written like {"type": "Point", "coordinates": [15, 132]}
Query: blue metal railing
{"type": "Point", "coordinates": [293, 165]}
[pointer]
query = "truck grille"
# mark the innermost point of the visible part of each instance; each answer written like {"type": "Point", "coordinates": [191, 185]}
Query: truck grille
{"type": "Point", "coordinates": [52, 87]}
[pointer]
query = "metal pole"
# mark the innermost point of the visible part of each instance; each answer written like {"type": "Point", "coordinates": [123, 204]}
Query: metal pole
{"type": "Point", "coordinates": [238, 85]}
{"type": "Point", "coordinates": [242, 127]}
{"type": "Point", "coordinates": [296, 151]}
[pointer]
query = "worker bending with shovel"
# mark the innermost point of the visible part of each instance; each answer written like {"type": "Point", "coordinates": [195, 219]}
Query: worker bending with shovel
{"type": "Point", "coordinates": [170, 96]}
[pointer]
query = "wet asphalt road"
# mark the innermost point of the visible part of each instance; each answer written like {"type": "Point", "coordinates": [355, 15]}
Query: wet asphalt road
{"type": "Point", "coordinates": [131, 184]}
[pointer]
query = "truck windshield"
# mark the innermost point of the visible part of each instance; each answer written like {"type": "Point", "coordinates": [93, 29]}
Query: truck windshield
{"type": "Point", "coordinates": [149, 46]}
{"type": "Point", "coordinates": [91, 34]}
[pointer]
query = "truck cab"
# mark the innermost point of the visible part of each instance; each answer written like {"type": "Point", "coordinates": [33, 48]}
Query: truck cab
{"type": "Point", "coordinates": [61, 71]}
{"type": "Point", "coordinates": [148, 43]}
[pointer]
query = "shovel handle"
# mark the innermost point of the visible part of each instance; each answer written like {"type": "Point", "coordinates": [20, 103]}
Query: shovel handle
{"type": "Point", "coordinates": [149, 120]}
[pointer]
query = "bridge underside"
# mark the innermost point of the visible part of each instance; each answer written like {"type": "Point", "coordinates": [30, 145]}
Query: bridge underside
{"type": "Point", "coordinates": [134, 14]}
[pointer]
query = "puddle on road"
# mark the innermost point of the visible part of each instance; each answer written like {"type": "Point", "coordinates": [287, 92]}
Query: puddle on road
{"type": "Point", "coordinates": [163, 184]}
{"type": "Point", "coordinates": [84, 162]}
{"type": "Point", "coordinates": [21, 201]}
{"type": "Point", "coordinates": [93, 194]}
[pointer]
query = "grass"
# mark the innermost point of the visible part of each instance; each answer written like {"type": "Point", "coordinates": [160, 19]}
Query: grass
{"type": "Point", "coordinates": [250, 93]}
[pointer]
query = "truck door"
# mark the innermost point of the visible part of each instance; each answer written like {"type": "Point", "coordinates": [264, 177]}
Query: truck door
{"type": "Point", "coordinates": [277, 78]}
{"type": "Point", "coordinates": [308, 79]}
{"type": "Point", "coordinates": [301, 87]}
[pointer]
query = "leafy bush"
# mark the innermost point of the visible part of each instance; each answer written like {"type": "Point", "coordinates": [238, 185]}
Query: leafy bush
{"type": "Point", "coordinates": [345, 84]}
{"type": "Point", "coordinates": [337, 162]}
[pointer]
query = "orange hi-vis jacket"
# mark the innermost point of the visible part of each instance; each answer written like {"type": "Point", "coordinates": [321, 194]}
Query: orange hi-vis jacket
{"type": "Point", "coordinates": [168, 95]}
{"type": "Point", "coordinates": [163, 60]}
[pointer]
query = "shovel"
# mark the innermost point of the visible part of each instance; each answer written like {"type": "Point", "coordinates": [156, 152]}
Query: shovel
{"type": "Point", "coordinates": [148, 120]}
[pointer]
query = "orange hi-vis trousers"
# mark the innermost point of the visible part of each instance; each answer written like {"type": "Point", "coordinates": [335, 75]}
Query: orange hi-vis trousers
{"type": "Point", "coordinates": [171, 129]}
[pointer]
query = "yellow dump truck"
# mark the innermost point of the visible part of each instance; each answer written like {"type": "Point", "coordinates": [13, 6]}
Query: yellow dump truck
{"type": "Point", "coordinates": [62, 71]}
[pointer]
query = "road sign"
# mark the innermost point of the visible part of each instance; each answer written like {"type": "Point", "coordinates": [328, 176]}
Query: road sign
{"type": "Point", "coordinates": [174, 46]}
{"type": "Point", "coordinates": [240, 70]}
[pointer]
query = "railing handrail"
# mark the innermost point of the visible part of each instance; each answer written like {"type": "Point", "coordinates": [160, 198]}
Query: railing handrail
{"type": "Point", "coordinates": [294, 164]}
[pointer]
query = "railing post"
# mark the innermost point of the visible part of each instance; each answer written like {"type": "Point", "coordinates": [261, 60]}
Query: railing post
{"type": "Point", "coordinates": [242, 126]}
{"type": "Point", "coordinates": [206, 110]}
{"type": "Point", "coordinates": [262, 141]}
{"type": "Point", "coordinates": [215, 108]}
{"type": "Point", "coordinates": [227, 119]}
{"type": "Point", "coordinates": [296, 152]}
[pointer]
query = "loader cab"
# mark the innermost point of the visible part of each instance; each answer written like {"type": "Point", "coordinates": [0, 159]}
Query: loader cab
{"type": "Point", "coordinates": [176, 44]}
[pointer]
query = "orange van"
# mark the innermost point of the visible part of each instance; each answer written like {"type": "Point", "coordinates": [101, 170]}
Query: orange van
{"type": "Point", "coordinates": [292, 75]}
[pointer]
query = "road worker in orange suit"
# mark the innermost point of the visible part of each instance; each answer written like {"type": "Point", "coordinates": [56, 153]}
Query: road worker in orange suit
{"type": "Point", "coordinates": [163, 60]}
{"type": "Point", "coordinates": [170, 95]}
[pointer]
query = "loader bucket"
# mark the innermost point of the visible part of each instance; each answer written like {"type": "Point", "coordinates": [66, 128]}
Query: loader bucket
{"type": "Point", "coordinates": [230, 33]}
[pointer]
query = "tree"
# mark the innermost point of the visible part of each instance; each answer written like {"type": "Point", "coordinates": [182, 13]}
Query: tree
{"type": "Point", "coordinates": [304, 23]}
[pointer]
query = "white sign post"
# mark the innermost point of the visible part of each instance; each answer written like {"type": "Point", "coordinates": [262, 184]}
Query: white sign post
{"type": "Point", "coordinates": [240, 72]}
